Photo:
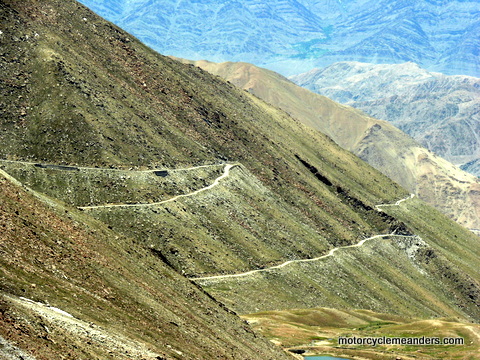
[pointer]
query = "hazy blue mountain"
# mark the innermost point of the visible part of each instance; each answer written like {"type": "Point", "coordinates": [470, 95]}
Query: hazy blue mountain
{"type": "Point", "coordinates": [218, 29]}
{"type": "Point", "coordinates": [472, 167]}
{"type": "Point", "coordinates": [292, 36]}
{"type": "Point", "coordinates": [439, 111]}
{"type": "Point", "coordinates": [438, 35]}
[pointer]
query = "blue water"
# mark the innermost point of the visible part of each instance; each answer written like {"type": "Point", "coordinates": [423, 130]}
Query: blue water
{"type": "Point", "coordinates": [323, 358]}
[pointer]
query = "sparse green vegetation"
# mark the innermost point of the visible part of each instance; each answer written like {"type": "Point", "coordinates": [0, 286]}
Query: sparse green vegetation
{"type": "Point", "coordinates": [95, 186]}
{"type": "Point", "coordinates": [318, 331]}
{"type": "Point", "coordinates": [84, 94]}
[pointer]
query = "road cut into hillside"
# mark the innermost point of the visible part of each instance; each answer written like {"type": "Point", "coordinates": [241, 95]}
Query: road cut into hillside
{"type": "Point", "coordinates": [329, 254]}
{"type": "Point", "coordinates": [226, 173]}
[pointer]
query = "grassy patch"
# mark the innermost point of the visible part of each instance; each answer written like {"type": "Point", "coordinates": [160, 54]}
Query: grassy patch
{"type": "Point", "coordinates": [321, 335]}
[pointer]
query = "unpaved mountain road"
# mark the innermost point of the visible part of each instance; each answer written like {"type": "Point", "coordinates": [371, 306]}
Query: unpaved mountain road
{"type": "Point", "coordinates": [47, 199]}
{"type": "Point", "coordinates": [379, 206]}
{"type": "Point", "coordinates": [226, 173]}
{"type": "Point", "coordinates": [330, 253]}
{"type": "Point", "coordinates": [70, 167]}
{"type": "Point", "coordinates": [216, 182]}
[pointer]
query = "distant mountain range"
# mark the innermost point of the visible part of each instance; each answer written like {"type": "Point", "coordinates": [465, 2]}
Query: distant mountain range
{"type": "Point", "coordinates": [473, 167]}
{"type": "Point", "coordinates": [440, 112]}
{"type": "Point", "coordinates": [145, 203]}
{"type": "Point", "coordinates": [293, 36]}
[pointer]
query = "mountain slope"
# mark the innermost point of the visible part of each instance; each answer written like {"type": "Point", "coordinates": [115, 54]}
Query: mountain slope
{"type": "Point", "coordinates": [166, 167]}
{"type": "Point", "coordinates": [293, 36]}
{"type": "Point", "coordinates": [379, 143]}
{"type": "Point", "coordinates": [123, 301]}
{"type": "Point", "coordinates": [128, 106]}
{"type": "Point", "coordinates": [439, 111]}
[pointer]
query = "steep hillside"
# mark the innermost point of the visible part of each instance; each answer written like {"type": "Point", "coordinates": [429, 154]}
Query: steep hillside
{"type": "Point", "coordinates": [145, 170]}
{"type": "Point", "coordinates": [113, 102]}
{"type": "Point", "coordinates": [383, 146]}
{"type": "Point", "coordinates": [291, 36]}
{"type": "Point", "coordinates": [72, 288]}
{"type": "Point", "coordinates": [390, 270]}
{"type": "Point", "coordinates": [440, 112]}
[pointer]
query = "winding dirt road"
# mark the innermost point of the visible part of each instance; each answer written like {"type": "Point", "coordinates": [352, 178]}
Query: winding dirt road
{"type": "Point", "coordinates": [226, 173]}
{"type": "Point", "coordinates": [378, 207]}
{"type": "Point", "coordinates": [330, 253]}
{"type": "Point", "coordinates": [59, 167]}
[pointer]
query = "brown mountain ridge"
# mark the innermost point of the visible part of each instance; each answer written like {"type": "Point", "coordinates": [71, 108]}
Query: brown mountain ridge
{"type": "Point", "coordinates": [127, 175]}
{"type": "Point", "coordinates": [395, 154]}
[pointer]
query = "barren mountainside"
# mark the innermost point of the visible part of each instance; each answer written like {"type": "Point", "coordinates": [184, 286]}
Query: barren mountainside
{"type": "Point", "coordinates": [145, 203]}
{"type": "Point", "coordinates": [71, 287]}
{"type": "Point", "coordinates": [383, 146]}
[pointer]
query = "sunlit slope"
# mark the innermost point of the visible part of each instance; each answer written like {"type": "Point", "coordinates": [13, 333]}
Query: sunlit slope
{"type": "Point", "coordinates": [434, 273]}
{"type": "Point", "coordinates": [108, 296]}
{"type": "Point", "coordinates": [383, 146]}
{"type": "Point", "coordinates": [102, 124]}
{"type": "Point", "coordinates": [97, 97]}
{"type": "Point", "coordinates": [439, 111]}
{"type": "Point", "coordinates": [230, 221]}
